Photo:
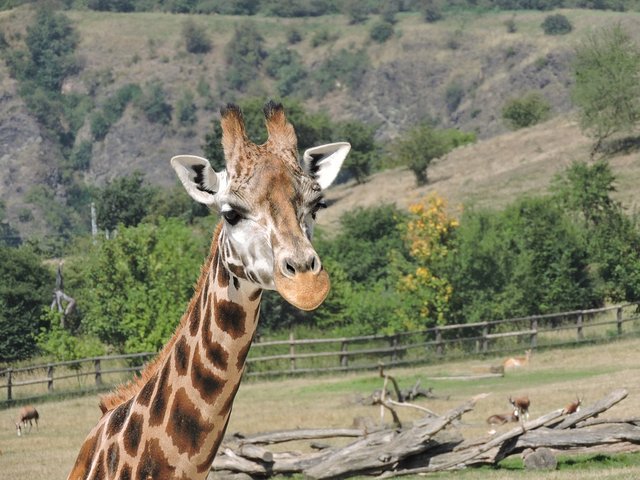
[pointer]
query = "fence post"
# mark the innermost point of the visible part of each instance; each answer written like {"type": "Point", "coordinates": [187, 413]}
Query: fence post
{"type": "Point", "coordinates": [96, 364]}
{"type": "Point", "coordinates": [579, 323]}
{"type": "Point", "coordinates": [9, 375]}
{"type": "Point", "coordinates": [485, 339]}
{"type": "Point", "coordinates": [534, 336]}
{"type": "Point", "coordinates": [394, 352]}
{"type": "Point", "coordinates": [292, 351]}
{"type": "Point", "coordinates": [439, 344]}
{"type": "Point", "coordinates": [344, 359]}
{"type": "Point", "coordinates": [619, 320]}
{"type": "Point", "coordinates": [50, 377]}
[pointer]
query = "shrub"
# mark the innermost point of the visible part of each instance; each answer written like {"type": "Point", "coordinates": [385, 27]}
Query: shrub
{"type": "Point", "coordinates": [99, 126]}
{"type": "Point", "coordinates": [556, 25]}
{"type": "Point", "coordinates": [453, 96]}
{"type": "Point", "coordinates": [381, 32]}
{"type": "Point", "coordinates": [346, 67]}
{"type": "Point", "coordinates": [526, 111]}
{"type": "Point", "coordinates": [195, 37]}
{"type": "Point", "coordinates": [294, 36]}
{"type": "Point", "coordinates": [322, 37]}
{"type": "Point", "coordinates": [81, 155]}
{"type": "Point", "coordinates": [153, 103]}
{"type": "Point", "coordinates": [186, 110]}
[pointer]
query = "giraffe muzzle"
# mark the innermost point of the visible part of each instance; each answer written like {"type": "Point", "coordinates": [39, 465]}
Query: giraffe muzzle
{"type": "Point", "coordinates": [304, 290]}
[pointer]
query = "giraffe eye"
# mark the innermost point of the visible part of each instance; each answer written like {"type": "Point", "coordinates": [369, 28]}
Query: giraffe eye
{"type": "Point", "coordinates": [231, 216]}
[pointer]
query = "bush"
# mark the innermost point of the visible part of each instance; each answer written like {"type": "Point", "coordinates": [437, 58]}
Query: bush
{"type": "Point", "coordinates": [81, 156]}
{"type": "Point", "coordinates": [195, 38]}
{"type": "Point", "coordinates": [526, 111]}
{"type": "Point", "coordinates": [294, 36]}
{"type": "Point", "coordinates": [381, 32]}
{"type": "Point", "coordinates": [556, 25]}
{"type": "Point", "coordinates": [99, 126]}
{"type": "Point", "coordinates": [153, 103]}
{"type": "Point", "coordinates": [323, 37]}
{"type": "Point", "coordinates": [453, 96]}
{"type": "Point", "coordinates": [186, 110]}
{"type": "Point", "coordinates": [346, 67]}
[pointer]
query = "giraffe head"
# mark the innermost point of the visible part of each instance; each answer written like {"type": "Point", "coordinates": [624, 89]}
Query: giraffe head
{"type": "Point", "coordinates": [268, 201]}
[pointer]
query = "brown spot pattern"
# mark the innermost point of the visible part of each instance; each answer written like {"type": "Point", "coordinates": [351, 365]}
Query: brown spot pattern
{"type": "Point", "coordinates": [118, 418]}
{"type": "Point", "coordinates": [194, 318]}
{"type": "Point", "coordinates": [229, 401]}
{"type": "Point", "coordinates": [206, 464]}
{"type": "Point", "coordinates": [153, 463]}
{"type": "Point", "coordinates": [223, 276]}
{"type": "Point", "coordinates": [132, 434]}
{"type": "Point", "coordinates": [125, 474]}
{"type": "Point", "coordinates": [98, 473]}
{"type": "Point", "coordinates": [242, 356]}
{"type": "Point", "coordinates": [204, 381]}
{"type": "Point", "coordinates": [85, 456]}
{"type": "Point", "coordinates": [186, 427]}
{"type": "Point", "coordinates": [215, 352]}
{"type": "Point", "coordinates": [159, 402]}
{"type": "Point", "coordinates": [230, 317]}
{"type": "Point", "coordinates": [254, 296]}
{"type": "Point", "coordinates": [182, 352]}
{"type": "Point", "coordinates": [144, 396]}
{"type": "Point", "coordinates": [113, 458]}
{"type": "Point", "coordinates": [237, 270]}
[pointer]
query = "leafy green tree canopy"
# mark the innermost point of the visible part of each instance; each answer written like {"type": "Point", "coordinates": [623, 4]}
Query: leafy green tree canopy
{"type": "Point", "coordinates": [124, 201]}
{"type": "Point", "coordinates": [607, 83]}
{"type": "Point", "coordinates": [25, 290]}
{"type": "Point", "coordinates": [418, 147]}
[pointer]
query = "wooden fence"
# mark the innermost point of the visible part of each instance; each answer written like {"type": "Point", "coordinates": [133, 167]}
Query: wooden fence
{"type": "Point", "coordinates": [300, 356]}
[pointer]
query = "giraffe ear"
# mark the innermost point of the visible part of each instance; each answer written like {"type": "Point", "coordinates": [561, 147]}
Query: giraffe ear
{"type": "Point", "coordinates": [324, 162]}
{"type": "Point", "coordinates": [197, 176]}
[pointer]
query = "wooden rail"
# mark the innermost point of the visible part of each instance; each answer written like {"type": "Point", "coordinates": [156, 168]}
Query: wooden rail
{"type": "Point", "coordinates": [299, 356]}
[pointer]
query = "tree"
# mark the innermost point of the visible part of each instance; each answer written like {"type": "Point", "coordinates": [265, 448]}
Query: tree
{"type": "Point", "coordinates": [365, 151]}
{"type": "Point", "coordinates": [528, 259]}
{"type": "Point", "coordinates": [607, 83]}
{"type": "Point", "coordinates": [417, 148]}
{"type": "Point", "coordinates": [136, 286]}
{"type": "Point", "coordinates": [526, 111]}
{"type": "Point", "coordinates": [556, 25]}
{"type": "Point", "coordinates": [612, 238]}
{"type": "Point", "coordinates": [195, 37]}
{"type": "Point", "coordinates": [425, 294]}
{"type": "Point", "coordinates": [25, 290]}
{"type": "Point", "coordinates": [124, 201]}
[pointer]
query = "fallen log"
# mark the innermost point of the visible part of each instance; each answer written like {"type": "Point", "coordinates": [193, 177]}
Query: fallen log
{"type": "Point", "coordinates": [579, 437]}
{"type": "Point", "coordinates": [595, 409]}
{"type": "Point", "coordinates": [304, 434]}
{"type": "Point", "coordinates": [364, 456]}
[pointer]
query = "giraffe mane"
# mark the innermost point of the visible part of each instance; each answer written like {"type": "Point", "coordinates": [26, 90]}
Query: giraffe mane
{"type": "Point", "coordinates": [123, 392]}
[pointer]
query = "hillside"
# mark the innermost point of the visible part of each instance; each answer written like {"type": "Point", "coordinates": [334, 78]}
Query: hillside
{"type": "Point", "coordinates": [490, 173]}
{"type": "Point", "coordinates": [406, 82]}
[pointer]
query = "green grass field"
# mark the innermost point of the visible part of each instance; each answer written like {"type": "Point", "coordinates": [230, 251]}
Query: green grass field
{"type": "Point", "coordinates": [552, 379]}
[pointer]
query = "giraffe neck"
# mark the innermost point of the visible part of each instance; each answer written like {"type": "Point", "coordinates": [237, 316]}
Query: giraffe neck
{"type": "Point", "coordinates": [173, 426]}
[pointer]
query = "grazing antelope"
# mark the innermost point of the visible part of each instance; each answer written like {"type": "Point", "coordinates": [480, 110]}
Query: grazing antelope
{"type": "Point", "coordinates": [517, 362]}
{"type": "Point", "coordinates": [26, 414]}
{"type": "Point", "coordinates": [572, 407]}
{"type": "Point", "coordinates": [521, 405]}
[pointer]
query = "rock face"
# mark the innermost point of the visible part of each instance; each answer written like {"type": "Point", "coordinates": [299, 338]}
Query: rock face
{"type": "Point", "coordinates": [540, 459]}
{"type": "Point", "coordinates": [27, 158]}
{"type": "Point", "coordinates": [460, 79]}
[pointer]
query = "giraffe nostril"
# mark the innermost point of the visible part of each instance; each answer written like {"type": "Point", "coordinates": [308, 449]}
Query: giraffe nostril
{"type": "Point", "coordinates": [287, 267]}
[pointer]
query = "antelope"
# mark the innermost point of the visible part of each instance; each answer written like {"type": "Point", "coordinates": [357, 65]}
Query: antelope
{"type": "Point", "coordinates": [517, 362]}
{"type": "Point", "coordinates": [572, 407]}
{"type": "Point", "coordinates": [501, 419]}
{"type": "Point", "coordinates": [521, 406]}
{"type": "Point", "coordinates": [26, 414]}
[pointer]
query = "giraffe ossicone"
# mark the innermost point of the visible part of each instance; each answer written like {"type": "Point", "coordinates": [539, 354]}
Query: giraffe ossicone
{"type": "Point", "coordinates": [169, 422]}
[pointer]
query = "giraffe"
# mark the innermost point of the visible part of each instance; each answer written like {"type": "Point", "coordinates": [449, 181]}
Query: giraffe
{"type": "Point", "coordinates": [169, 421]}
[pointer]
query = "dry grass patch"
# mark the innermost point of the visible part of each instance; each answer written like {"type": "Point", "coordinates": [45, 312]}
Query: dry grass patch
{"type": "Point", "coordinates": [552, 379]}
